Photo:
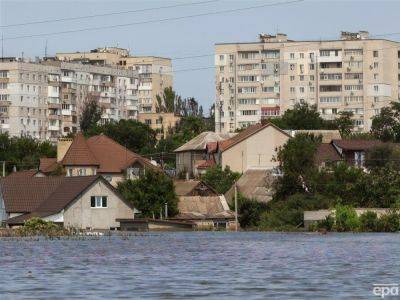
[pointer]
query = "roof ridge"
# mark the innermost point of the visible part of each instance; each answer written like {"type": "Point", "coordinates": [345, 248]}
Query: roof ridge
{"type": "Point", "coordinates": [81, 138]}
{"type": "Point", "coordinates": [114, 142]}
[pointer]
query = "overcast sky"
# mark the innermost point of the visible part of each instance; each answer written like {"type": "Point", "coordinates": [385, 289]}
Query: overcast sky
{"type": "Point", "coordinates": [190, 36]}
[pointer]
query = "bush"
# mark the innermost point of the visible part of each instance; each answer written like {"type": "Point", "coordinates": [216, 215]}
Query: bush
{"type": "Point", "coordinates": [346, 218]}
{"type": "Point", "coordinates": [389, 222]}
{"type": "Point", "coordinates": [326, 224]}
{"type": "Point", "coordinates": [369, 221]}
{"type": "Point", "coordinates": [37, 226]}
{"type": "Point", "coordinates": [250, 211]}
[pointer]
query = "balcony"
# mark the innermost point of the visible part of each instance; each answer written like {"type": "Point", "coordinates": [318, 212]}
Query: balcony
{"type": "Point", "coordinates": [54, 105]}
{"type": "Point", "coordinates": [68, 90]}
{"type": "Point", "coordinates": [5, 126]}
{"type": "Point", "coordinates": [5, 103]}
{"type": "Point", "coordinates": [54, 117]}
{"type": "Point", "coordinates": [4, 80]}
{"type": "Point", "coordinates": [54, 128]}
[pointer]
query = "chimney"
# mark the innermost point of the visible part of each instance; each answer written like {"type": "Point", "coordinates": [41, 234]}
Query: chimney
{"type": "Point", "coordinates": [63, 145]}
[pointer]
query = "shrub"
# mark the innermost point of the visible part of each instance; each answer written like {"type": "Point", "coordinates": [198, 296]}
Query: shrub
{"type": "Point", "coordinates": [369, 221]}
{"type": "Point", "coordinates": [389, 222]}
{"type": "Point", "coordinates": [326, 224]}
{"type": "Point", "coordinates": [346, 218]}
{"type": "Point", "coordinates": [250, 212]}
{"type": "Point", "coordinates": [37, 226]}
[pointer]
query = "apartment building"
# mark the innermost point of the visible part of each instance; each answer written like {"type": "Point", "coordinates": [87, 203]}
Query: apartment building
{"type": "Point", "coordinates": [155, 74]}
{"type": "Point", "coordinates": [44, 99]}
{"type": "Point", "coordinates": [263, 79]}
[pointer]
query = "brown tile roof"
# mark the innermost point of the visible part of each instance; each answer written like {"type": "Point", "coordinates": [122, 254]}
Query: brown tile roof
{"type": "Point", "coordinates": [24, 173]}
{"type": "Point", "coordinates": [199, 142]}
{"type": "Point", "coordinates": [79, 153]}
{"type": "Point", "coordinates": [47, 165]}
{"type": "Point", "coordinates": [186, 187]}
{"type": "Point", "coordinates": [205, 164]}
{"type": "Point", "coordinates": [355, 145]}
{"type": "Point", "coordinates": [249, 131]}
{"type": "Point", "coordinates": [44, 196]}
{"type": "Point", "coordinates": [113, 157]}
{"type": "Point", "coordinates": [326, 152]}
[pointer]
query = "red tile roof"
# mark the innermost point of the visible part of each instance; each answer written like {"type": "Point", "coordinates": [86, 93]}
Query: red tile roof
{"type": "Point", "coordinates": [113, 157]}
{"type": "Point", "coordinates": [205, 164]}
{"type": "Point", "coordinates": [24, 173]}
{"type": "Point", "coordinates": [355, 145]}
{"type": "Point", "coordinates": [79, 153]}
{"type": "Point", "coordinates": [47, 165]}
{"type": "Point", "coordinates": [249, 131]}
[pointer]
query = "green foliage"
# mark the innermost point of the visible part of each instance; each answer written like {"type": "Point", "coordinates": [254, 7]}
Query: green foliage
{"type": "Point", "coordinates": [220, 180]}
{"type": "Point", "coordinates": [344, 123]}
{"type": "Point", "coordinates": [90, 115]}
{"type": "Point", "coordinates": [37, 226]}
{"type": "Point", "coordinates": [250, 212]}
{"type": "Point", "coordinates": [386, 125]}
{"type": "Point", "coordinates": [167, 103]}
{"type": "Point", "coordinates": [389, 222]}
{"type": "Point", "coordinates": [302, 116]}
{"type": "Point", "coordinates": [296, 160]}
{"type": "Point", "coordinates": [134, 135]}
{"type": "Point", "coordinates": [383, 156]}
{"type": "Point", "coordinates": [149, 193]}
{"type": "Point", "coordinates": [346, 218]}
{"type": "Point", "coordinates": [369, 221]}
{"type": "Point", "coordinates": [290, 212]}
{"type": "Point", "coordinates": [24, 152]}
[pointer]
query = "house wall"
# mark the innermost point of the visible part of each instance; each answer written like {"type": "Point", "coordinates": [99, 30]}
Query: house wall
{"type": "Point", "coordinates": [75, 170]}
{"type": "Point", "coordinates": [81, 215]}
{"type": "Point", "coordinates": [255, 152]}
{"type": "Point", "coordinates": [186, 161]}
{"type": "Point", "coordinates": [113, 178]}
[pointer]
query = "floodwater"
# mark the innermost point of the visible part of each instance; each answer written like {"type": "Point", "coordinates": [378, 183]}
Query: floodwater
{"type": "Point", "coordinates": [215, 265]}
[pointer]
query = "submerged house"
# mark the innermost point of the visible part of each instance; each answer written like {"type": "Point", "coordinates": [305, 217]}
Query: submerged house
{"type": "Point", "coordinates": [96, 155]}
{"type": "Point", "coordinates": [202, 205]}
{"type": "Point", "coordinates": [84, 202]}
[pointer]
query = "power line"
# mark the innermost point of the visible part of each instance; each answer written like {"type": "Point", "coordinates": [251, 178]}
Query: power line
{"type": "Point", "coordinates": [105, 14]}
{"type": "Point", "coordinates": [154, 21]}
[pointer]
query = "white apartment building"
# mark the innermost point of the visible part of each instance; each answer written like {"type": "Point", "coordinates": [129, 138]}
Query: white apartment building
{"type": "Point", "coordinates": [44, 99]}
{"type": "Point", "coordinates": [263, 79]}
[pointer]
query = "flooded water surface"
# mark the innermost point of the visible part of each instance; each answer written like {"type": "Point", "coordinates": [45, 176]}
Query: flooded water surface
{"type": "Point", "coordinates": [213, 265]}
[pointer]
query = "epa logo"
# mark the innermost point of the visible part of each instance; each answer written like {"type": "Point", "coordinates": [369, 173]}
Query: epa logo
{"type": "Point", "coordinates": [383, 290]}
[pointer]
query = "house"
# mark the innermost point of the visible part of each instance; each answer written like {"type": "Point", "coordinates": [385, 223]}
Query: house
{"type": "Point", "coordinates": [202, 205]}
{"type": "Point", "coordinates": [253, 148]}
{"type": "Point", "coordinates": [353, 151]}
{"type": "Point", "coordinates": [326, 135]}
{"type": "Point", "coordinates": [193, 153]}
{"type": "Point", "coordinates": [327, 155]}
{"type": "Point", "coordinates": [96, 155]}
{"type": "Point", "coordinates": [26, 173]}
{"type": "Point", "coordinates": [83, 202]}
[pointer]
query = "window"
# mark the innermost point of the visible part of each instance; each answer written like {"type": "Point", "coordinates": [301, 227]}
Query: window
{"type": "Point", "coordinates": [268, 89]}
{"type": "Point", "coordinates": [336, 76]}
{"type": "Point", "coordinates": [292, 78]}
{"type": "Point", "coordinates": [375, 53]}
{"type": "Point", "coordinates": [98, 201]}
{"type": "Point", "coordinates": [248, 78]}
{"type": "Point", "coordinates": [358, 87]}
{"type": "Point", "coordinates": [3, 74]}
{"type": "Point", "coordinates": [292, 89]}
{"type": "Point", "coordinates": [247, 101]}
{"type": "Point", "coordinates": [69, 172]}
{"type": "Point", "coordinates": [301, 77]}
{"type": "Point", "coordinates": [301, 55]}
{"type": "Point", "coordinates": [329, 99]}
{"type": "Point", "coordinates": [353, 76]}
{"type": "Point", "coordinates": [376, 88]}
{"type": "Point", "coordinates": [147, 121]}
{"type": "Point", "coordinates": [376, 65]}
{"type": "Point", "coordinates": [247, 90]}
{"type": "Point", "coordinates": [248, 112]}
{"type": "Point", "coordinates": [221, 57]}
{"type": "Point", "coordinates": [82, 172]}
{"type": "Point", "coordinates": [248, 55]}
{"type": "Point", "coordinates": [376, 76]}
{"type": "Point", "coordinates": [311, 66]}
{"type": "Point", "coordinates": [312, 77]}
{"type": "Point", "coordinates": [291, 55]}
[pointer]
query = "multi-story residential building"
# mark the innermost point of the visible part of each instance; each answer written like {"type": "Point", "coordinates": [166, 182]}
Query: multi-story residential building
{"type": "Point", "coordinates": [155, 74]}
{"type": "Point", "coordinates": [44, 99]}
{"type": "Point", "coordinates": [263, 79]}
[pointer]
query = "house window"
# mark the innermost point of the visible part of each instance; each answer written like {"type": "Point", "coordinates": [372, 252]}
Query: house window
{"type": "Point", "coordinates": [69, 172]}
{"type": "Point", "coordinates": [82, 172]}
{"type": "Point", "coordinates": [98, 201]}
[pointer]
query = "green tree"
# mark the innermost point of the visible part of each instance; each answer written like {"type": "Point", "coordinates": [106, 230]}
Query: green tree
{"type": "Point", "coordinates": [344, 123]}
{"type": "Point", "coordinates": [386, 125]}
{"type": "Point", "coordinates": [383, 156]}
{"type": "Point", "coordinates": [149, 194]}
{"type": "Point", "coordinates": [134, 135]}
{"type": "Point", "coordinates": [90, 115]}
{"type": "Point", "coordinates": [302, 116]}
{"type": "Point", "coordinates": [168, 102]}
{"type": "Point", "coordinates": [220, 180]}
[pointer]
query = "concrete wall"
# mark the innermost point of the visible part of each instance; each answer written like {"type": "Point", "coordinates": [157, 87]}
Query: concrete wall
{"type": "Point", "coordinates": [81, 215]}
{"type": "Point", "coordinates": [255, 152]}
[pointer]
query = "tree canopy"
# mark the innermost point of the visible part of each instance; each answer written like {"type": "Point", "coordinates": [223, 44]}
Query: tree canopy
{"type": "Point", "coordinates": [220, 179]}
{"type": "Point", "coordinates": [149, 194]}
{"type": "Point", "coordinates": [386, 125]}
{"type": "Point", "coordinates": [90, 115]}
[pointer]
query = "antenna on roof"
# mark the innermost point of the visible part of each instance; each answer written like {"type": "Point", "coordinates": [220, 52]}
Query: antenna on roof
{"type": "Point", "coordinates": [45, 49]}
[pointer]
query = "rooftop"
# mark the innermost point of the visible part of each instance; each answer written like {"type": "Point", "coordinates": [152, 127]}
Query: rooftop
{"type": "Point", "coordinates": [200, 142]}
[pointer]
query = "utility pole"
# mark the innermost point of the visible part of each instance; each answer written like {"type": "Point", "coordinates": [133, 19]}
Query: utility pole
{"type": "Point", "coordinates": [236, 209]}
{"type": "Point", "coordinates": [4, 169]}
{"type": "Point", "coordinates": [166, 210]}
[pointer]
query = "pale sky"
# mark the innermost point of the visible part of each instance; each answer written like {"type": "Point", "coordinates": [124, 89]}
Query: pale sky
{"type": "Point", "coordinates": [186, 37]}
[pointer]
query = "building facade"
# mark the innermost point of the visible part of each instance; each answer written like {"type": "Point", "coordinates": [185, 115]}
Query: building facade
{"type": "Point", "coordinates": [44, 99]}
{"type": "Point", "coordinates": [155, 74]}
{"type": "Point", "coordinates": [263, 79]}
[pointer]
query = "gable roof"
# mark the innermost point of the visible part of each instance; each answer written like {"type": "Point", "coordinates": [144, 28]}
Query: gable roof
{"type": "Point", "coordinates": [249, 131]}
{"type": "Point", "coordinates": [50, 195]}
{"type": "Point", "coordinates": [198, 207]}
{"type": "Point", "coordinates": [354, 145]}
{"type": "Point", "coordinates": [113, 157]}
{"type": "Point", "coordinates": [47, 165]}
{"type": "Point", "coordinates": [200, 142]}
{"type": "Point", "coordinates": [326, 152]}
{"type": "Point", "coordinates": [79, 153]}
{"type": "Point", "coordinates": [186, 187]}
